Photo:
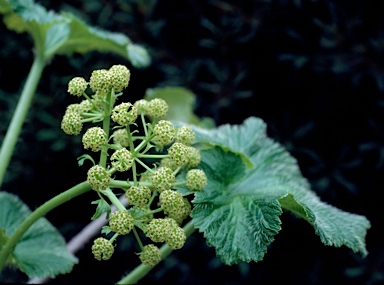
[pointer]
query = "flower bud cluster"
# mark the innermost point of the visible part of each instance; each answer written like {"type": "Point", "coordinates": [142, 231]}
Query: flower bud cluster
{"type": "Point", "coordinates": [122, 160]}
{"type": "Point", "coordinates": [166, 230]}
{"type": "Point", "coordinates": [163, 179]}
{"type": "Point", "coordinates": [94, 138]}
{"type": "Point", "coordinates": [98, 177]}
{"type": "Point", "coordinates": [124, 114]}
{"type": "Point", "coordinates": [154, 186]}
{"type": "Point", "coordinates": [121, 222]}
{"type": "Point", "coordinates": [138, 195]}
{"type": "Point", "coordinates": [102, 249]}
{"type": "Point", "coordinates": [150, 255]}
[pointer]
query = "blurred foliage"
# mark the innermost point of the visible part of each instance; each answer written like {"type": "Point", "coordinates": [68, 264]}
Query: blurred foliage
{"type": "Point", "coordinates": [313, 70]}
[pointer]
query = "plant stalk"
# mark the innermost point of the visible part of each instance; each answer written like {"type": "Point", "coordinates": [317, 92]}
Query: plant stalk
{"type": "Point", "coordinates": [20, 114]}
{"type": "Point", "coordinates": [142, 270]}
{"type": "Point", "coordinates": [37, 214]}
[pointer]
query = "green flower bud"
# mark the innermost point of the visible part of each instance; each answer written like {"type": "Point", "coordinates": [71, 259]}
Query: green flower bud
{"type": "Point", "coordinates": [158, 230]}
{"type": "Point", "coordinates": [71, 123]}
{"type": "Point", "coordinates": [77, 86]}
{"type": "Point", "coordinates": [176, 238]}
{"type": "Point", "coordinates": [171, 201]}
{"type": "Point", "coordinates": [157, 108]}
{"type": "Point", "coordinates": [165, 132]}
{"type": "Point", "coordinates": [100, 81]}
{"type": "Point", "coordinates": [182, 213]}
{"type": "Point", "coordinates": [150, 255]}
{"type": "Point", "coordinates": [102, 249]}
{"type": "Point", "coordinates": [98, 177]}
{"type": "Point", "coordinates": [196, 179]}
{"type": "Point", "coordinates": [85, 106]}
{"type": "Point", "coordinates": [73, 108]}
{"type": "Point", "coordinates": [167, 162]}
{"type": "Point", "coordinates": [141, 106]}
{"type": "Point", "coordinates": [121, 222]}
{"type": "Point", "coordinates": [94, 138]}
{"type": "Point", "coordinates": [178, 152]}
{"type": "Point", "coordinates": [163, 179]}
{"type": "Point", "coordinates": [121, 136]}
{"type": "Point", "coordinates": [194, 157]}
{"type": "Point", "coordinates": [120, 76]}
{"type": "Point", "coordinates": [185, 135]}
{"type": "Point", "coordinates": [138, 195]}
{"type": "Point", "coordinates": [122, 160]}
{"type": "Point", "coordinates": [124, 114]}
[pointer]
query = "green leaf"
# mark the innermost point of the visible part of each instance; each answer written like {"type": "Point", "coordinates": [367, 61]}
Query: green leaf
{"type": "Point", "coordinates": [243, 140]}
{"type": "Point", "coordinates": [66, 34]}
{"type": "Point", "coordinates": [250, 199]}
{"type": "Point", "coordinates": [42, 250]}
{"type": "Point", "coordinates": [102, 207]}
{"type": "Point", "coordinates": [181, 102]}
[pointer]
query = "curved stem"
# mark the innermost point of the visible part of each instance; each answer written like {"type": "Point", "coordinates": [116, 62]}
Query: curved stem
{"type": "Point", "coordinates": [20, 114]}
{"type": "Point", "coordinates": [37, 214]}
{"type": "Point", "coordinates": [142, 270]}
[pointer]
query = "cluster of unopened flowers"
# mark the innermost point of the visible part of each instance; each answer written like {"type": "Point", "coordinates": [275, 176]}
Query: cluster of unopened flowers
{"type": "Point", "coordinates": [154, 206]}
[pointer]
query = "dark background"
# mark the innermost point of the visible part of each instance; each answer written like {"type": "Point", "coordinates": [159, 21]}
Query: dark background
{"type": "Point", "coordinates": [312, 70]}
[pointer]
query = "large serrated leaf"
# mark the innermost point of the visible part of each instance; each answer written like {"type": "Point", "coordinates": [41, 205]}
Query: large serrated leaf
{"type": "Point", "coordinates": [42, 250]}
{"type": "Point", "coordinates": [274, 178]}
{"type": "Point", "coordinates": [66, 34]}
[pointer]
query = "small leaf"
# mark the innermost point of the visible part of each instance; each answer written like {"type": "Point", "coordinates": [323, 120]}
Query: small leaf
{"type": "Point", "coordinates": [181, 103]}
{"type": "Point", "coordinates": [102, 207]}
{"type": "Point", "coordinates": [42, 250]}
{"type": "Point", "coordinates": [244, 139]}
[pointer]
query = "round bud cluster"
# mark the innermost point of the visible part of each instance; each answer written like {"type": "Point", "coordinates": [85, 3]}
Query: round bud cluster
{"type": "Point", "coordinates": [194, 157]}
{"type": "Point", "coordinates": [124, 114]}
{"type": "Point", "coordinates": [157, 108]}
{"type": "Point", "coordinates": [166, 230]}
{"type": "Point", "coordinates": [100, 81]}
{"type": "Point", "coordinates": [176, 237]}
{"type": "Point", "coordinates": [178, 152]}
{"type": "Point", "coordinates": [157, 230]}
{"type": "Point", "coordinates": [73, 108]}
{"type": "Point", "coordinates": [171, 201]}
{"type": "Point", "coordinates": [163, 179]}
{"type": "Point", "coordinates": [121, 222]}
{"type": "Point", "coordinates": [71, 123]}
{"type": "Point", "coordinates": [120, 136]}
{"type": "Point", "coordinates": [182, 213]}
{"type": "Point", "coordinates": [196, 179]}
{"type": "Point", "coordinates": [167, 162]}
{"type": "Point", "coordinates": [165, 132]}
{"type": "Point", "coordinates": [120, 76]}
{"type": "Point", "coordinates": [94, 138]}
{"type": "Point", "coordinates": [150, 255]}
{"type": "Point", "coordinates": [185, 135]}
{"type": "Point", "coordinates": [122, 159]}
{"type": "Point", "coordinates": [77, 86]}
{"type": "Point", "coordinates": [85, 106]}
{"type": "Point", "coordinates": [102, 249]}
{"type": "Point", "coordinates": [98, 177]}
{"type": "Point", "coordinates": [138, 195]}
{"type": "Point", "coordinates": [141, 106]}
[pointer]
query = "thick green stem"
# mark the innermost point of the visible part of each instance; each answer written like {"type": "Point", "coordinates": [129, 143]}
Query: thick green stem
{"type": "Point", "coordinates": [20, 114]}
{"type": "Point", "coordinates": [37, 214]}
{"type": "Point", "coordinates": [142, 270]}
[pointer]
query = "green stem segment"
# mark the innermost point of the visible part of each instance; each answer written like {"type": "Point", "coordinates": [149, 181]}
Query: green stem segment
{"type": "Point", "coordinates": [37, 214]}
{"type": "Point", "coordinates": [142, 270]}
{"type": "Point", "coordinates": [20, 114]}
